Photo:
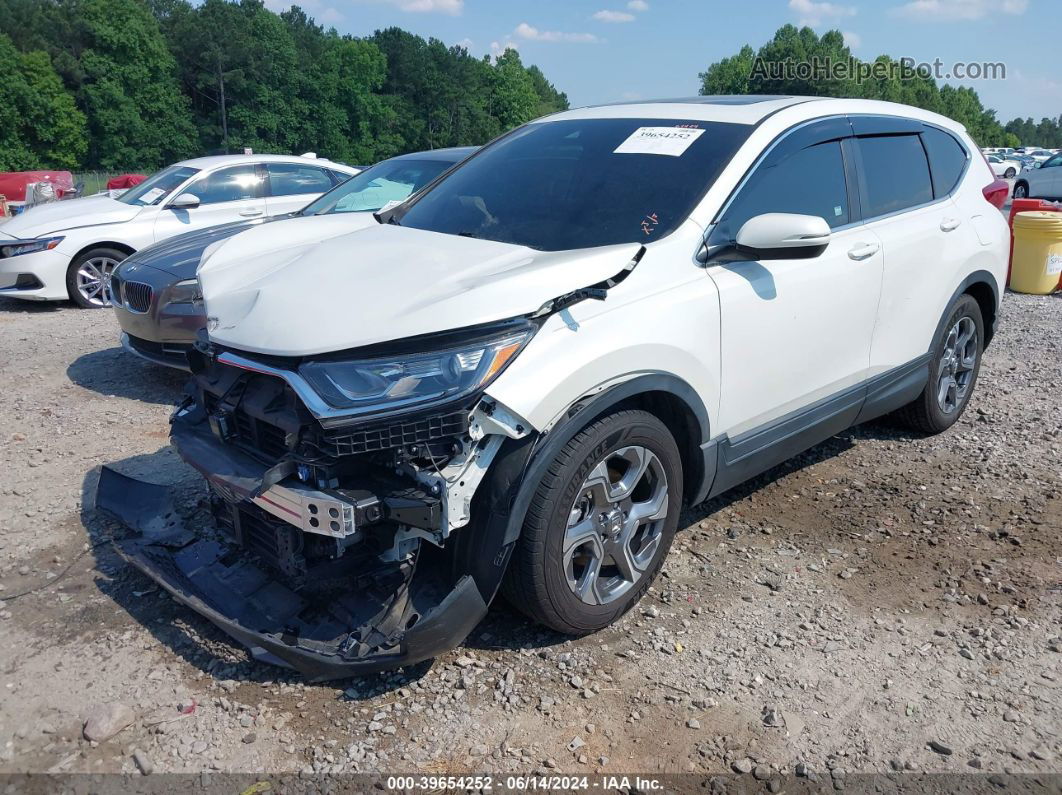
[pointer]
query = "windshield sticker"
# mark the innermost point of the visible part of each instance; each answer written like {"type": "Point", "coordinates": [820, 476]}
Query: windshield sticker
{"type": "Point", "coordinates": [152, 195]}
{"type": "Point", "coordinates": [649, 223]}
{"type": "Point", "coordinates": [672, 141]}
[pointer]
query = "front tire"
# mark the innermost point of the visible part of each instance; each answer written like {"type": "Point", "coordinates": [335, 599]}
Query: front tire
{"type": "Point", "coordinates": [953, 367]}
{"type": "Point", "coordinates": [599, 525]}
{"type": "Point", "coordinates": [88, 279]}
{"type": "Point", "coordinates": [1021, 191]}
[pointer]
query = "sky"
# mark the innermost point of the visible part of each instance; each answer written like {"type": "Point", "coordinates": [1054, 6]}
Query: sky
{"type": "Point", "coordinates": [613, 50]}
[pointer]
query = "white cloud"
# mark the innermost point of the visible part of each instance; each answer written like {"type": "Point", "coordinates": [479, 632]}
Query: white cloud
{"type": "Point", "coordinates": [814, 13]}
{"type": "Point", "coordinates": [465, 42]}
{"type": "Point", "coordinates": [613, 16]}
{"type": "Point", "coordinates": [499, 48]}
{"type": "Point", "coordinates": [525, 31]}
{"type": "Point", "coordinates": [851, 39]}
{"type": "Point", "coordinates": [959, 9]}
{"type": "Point", "coordinates": [452, 7]}
{"type": "Point", "coordinates": [638, 5]}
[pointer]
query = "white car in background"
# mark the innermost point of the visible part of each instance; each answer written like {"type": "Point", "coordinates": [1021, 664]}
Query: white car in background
{"type": "Point", "coordinates": [1003, 166]}
{"type": "Point", "coordinates": [69, 249]}
{"type": "Point", "coordinates": [1043, 181]}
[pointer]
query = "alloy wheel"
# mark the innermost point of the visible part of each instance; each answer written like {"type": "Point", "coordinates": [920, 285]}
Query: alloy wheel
{"type": "Point", "coordinates": [94, 280]}
{"type": "Point", "coordinates": [955, 370]}
{"type": "Point", "coordinates": [615, 525]}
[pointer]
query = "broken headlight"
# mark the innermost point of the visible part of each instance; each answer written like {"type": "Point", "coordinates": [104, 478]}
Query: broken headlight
{"type": "Point", "coordinates": [390, 382]}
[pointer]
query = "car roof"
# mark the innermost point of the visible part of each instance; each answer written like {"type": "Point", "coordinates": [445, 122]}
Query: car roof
{"type": "Point", "coordinates": [750, 109]}
{"type": "Point", "coordinates": [450, 154]}
{"type": "Point", "coordinates": [206, 163]}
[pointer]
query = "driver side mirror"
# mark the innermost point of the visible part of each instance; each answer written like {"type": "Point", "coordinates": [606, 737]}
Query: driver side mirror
{"type": "Point", "coordinates": [782, 236]}
{"type": "Point", "coordinates": [186, 201]}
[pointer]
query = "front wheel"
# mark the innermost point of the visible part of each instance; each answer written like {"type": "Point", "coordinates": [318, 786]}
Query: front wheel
{"type": "Point", "coordinates": [88, 279]}
{"type": "Point", "coordinates": [953, 367]}
{"type": "Point", "coordinates": [599, 525]}
{"type": "Point", "coordinates": [1021, 191]}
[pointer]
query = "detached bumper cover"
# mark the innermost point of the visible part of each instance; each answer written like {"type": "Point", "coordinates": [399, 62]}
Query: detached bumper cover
{"type": "Point", "coordinates": [371, 627]}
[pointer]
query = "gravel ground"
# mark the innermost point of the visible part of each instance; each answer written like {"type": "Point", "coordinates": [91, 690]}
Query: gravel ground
{"type": "Point", "coordinates": [882, 602]}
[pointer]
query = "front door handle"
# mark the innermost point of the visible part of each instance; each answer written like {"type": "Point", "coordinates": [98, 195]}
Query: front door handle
{"type": "Point", "coordinates": [949, 223]}
{"type": "Point", "coordinates": [863, 250]}
{"type": "Point", "coordinates": [250, 213]}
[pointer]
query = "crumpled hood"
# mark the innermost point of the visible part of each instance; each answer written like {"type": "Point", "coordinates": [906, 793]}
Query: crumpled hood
{"type": "Point", "coordinates": [382, 283]}
{"type": "Point", "coordinates": [46, 219]}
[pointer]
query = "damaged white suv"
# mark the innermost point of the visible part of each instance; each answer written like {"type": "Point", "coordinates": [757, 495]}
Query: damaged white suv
{"type": "Point", "coordinates": [517, 378]}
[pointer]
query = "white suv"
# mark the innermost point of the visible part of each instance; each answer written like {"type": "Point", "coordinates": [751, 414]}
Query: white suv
{"type": "Point", "coordinates": [518, 378]}
{"type": "Point", "coordinates": [69, 249]}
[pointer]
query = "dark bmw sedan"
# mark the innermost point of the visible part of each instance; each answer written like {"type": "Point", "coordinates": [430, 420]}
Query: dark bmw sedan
{"type": "Point", "coordinates": [155, 294]}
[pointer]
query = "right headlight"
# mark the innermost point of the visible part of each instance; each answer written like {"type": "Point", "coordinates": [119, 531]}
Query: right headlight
{"type": "Point", "coordinates": [392, 382]}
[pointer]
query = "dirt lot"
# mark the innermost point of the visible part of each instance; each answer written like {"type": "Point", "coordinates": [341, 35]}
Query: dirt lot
{"type": "Point", "coordinates": [883, 602]}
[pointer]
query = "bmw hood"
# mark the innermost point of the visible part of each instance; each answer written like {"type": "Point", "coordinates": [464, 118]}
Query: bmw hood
{"type": "Point", "coordinates": [180, 255]}
{"type": "Point", "coordinates": [381, 283]}
{"type": "Point", "coordinates": [46, 219]}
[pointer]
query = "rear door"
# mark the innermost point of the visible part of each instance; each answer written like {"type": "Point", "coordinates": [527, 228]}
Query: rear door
{"type": "Point", "coordinates": [232, 193]}
{"type": "Point", "coordinates": [797, 332]}
{"type": "Point", "coordinates": [1050, 179]}
{"type": "Point", "coordinates": [292, 186]}
{"type": "Point", "coordinates": [927, 238]}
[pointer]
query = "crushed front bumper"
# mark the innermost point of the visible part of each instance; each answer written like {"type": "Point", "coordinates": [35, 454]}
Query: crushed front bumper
{"type": "Point", "coordinates": [374, 622]}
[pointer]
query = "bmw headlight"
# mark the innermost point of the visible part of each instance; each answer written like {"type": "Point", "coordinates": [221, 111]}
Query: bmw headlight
{"type": "Point", "coordinates": [17, 247]}
{"type": "Point", "coordinates": [185, 292]}
{"type": "Point", "coordinates": [390, 382]}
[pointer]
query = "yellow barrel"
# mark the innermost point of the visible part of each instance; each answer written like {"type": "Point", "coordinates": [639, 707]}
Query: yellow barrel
{"type": "Point", "coordinates": [1037, 264]}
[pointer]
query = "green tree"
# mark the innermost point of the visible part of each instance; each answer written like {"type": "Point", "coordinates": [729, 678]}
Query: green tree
{"type": "Point", "coordinates": [137, 116]}
{"type": "Point", "coordinates": [40, 126]}
{"type": "Point", "coordinates": [514, 97]}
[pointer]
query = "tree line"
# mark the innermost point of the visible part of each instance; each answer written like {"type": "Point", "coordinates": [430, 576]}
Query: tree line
{"type": "Point", "coordinates": [137, 84]}
{"type": "Point", "coordinates": [884, 79]}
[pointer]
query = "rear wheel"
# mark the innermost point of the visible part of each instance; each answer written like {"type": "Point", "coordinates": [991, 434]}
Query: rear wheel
{"type": "Point", "coordinates": [1010, 173]}
{"type": "Point", "coordinates": [599, 526]}
{"type": "Point", "coordinates": [953, 368]}
{"type": "Point", "coordinates": [88, 279]}
{"type": "Point", "coordinates": [1021, 191]}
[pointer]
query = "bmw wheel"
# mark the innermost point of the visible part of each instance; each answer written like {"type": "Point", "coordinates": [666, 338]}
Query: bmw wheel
{"type": "Point", "coordinates": [88, 280]}
{"type": "Point", "coordinates": [600, 524]}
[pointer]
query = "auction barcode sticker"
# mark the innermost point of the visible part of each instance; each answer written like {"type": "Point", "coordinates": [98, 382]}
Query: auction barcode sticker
{"type": "Point", "coordinates": [671, 141]}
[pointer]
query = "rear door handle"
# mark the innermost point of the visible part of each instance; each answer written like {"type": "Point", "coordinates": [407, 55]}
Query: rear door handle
{"type": "Point", "coordinates": [863, 250]}
{"type": "Point", "coordinates": [250, 213]}
{"type": "Point", "coordinates": [949, 223]}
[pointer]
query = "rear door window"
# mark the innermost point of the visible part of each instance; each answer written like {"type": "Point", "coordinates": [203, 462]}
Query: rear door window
{"type": "Point", "coordinates": [810, 181]}
{"type": "Point", "coordinates": [947, 159]}
{"type": "Point", "coordinates": [895, 174]}
{"type": "Point", "coordinates": [293, 179]}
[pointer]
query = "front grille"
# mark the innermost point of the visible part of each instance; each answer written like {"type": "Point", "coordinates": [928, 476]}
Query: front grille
{"type": "Point", "coordinates": [116, 289]}
{"type": "Point", "coordinates": [399, 434]}
{"type": "Point", "coordinates": [136, 296]}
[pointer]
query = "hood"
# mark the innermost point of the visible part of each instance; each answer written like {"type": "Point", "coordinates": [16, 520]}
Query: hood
{"type": "Point", "coordinates": [46, 219]}
{"type": "Point", "coordinates": [382, 283]}
{"type": "Point", "coordinates": [179, 256]}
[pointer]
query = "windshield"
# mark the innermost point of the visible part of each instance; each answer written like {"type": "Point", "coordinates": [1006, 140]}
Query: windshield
{"type": "Point", "coordinates": [389, 181]}
{"type": "Point", "coordinates": [158, 186]}
{"type": "Point", "coordinates": [563, 185]}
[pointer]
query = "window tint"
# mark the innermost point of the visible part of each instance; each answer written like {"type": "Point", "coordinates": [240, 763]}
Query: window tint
{"type": "Point", "coordinates": [227, 185]}
{"type": "Point", "coordinates": [292, 179]}
{"type": "Point", "coordinates": [810, 182]}
{"type": "Point", "coordinates": [580, 183]}
{"type": "Point", "coordinates": [895, 173]}
{"type": "Point", "coordinates": [1054, 161]}
{"type": "Point", "coordinates": [947, 159]}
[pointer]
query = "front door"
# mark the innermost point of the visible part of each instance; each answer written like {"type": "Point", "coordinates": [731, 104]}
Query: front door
{"type": "Point", "coordinates": [233, 193]}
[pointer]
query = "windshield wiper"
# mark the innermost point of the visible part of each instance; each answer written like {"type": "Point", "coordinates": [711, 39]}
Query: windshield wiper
{"type": "Point", "coordinates": [596, 292]}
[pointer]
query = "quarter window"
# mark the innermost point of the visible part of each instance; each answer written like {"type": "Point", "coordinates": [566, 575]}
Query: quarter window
{"type": "Point", "coordinates": [810, 181]}
{"type": "Point", "coordinates": [947, 159]}
{"type": "Point", "coordinates": [294, 179]}
{"type": "Point", "coordinates": [895, 174]}
{"type": "Point", "coordinates": [227, 185]}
